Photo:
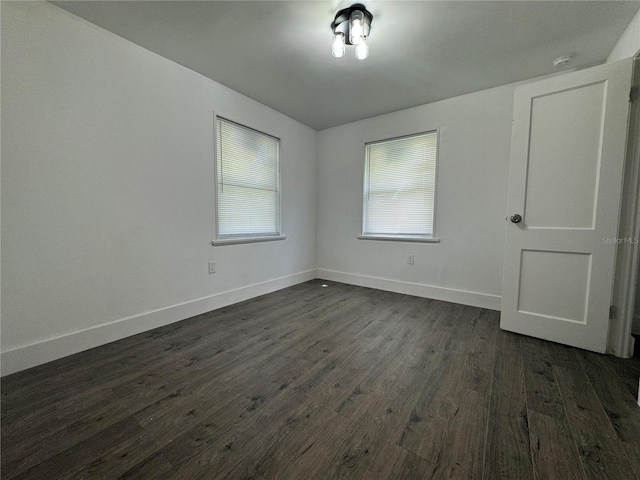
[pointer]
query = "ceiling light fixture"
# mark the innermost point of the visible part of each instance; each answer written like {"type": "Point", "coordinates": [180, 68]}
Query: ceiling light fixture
{"type": "Point", "coordinates": [351, 27]}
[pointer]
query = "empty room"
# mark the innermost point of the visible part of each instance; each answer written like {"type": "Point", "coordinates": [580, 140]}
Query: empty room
{"type": "Point", "coordinates": [320, 239]}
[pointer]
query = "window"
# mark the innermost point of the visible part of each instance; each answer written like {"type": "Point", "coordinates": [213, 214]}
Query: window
{"type": "Point", "coordinates": [400, 188]}
{"type": "Point", "coordinates": [247, 183]}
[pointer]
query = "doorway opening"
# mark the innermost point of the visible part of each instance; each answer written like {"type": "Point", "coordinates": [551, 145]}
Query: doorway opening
{"type": "Point", "coordinates": [625, 326]}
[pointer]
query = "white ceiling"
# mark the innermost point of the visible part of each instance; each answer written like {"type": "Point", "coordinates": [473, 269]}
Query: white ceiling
{"type": "Point", "coordinates": [279, 52]}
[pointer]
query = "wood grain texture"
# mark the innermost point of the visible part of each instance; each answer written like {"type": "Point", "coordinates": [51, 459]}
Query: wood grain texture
{"type": "Point", "coordinates": [508, 449]}
{"type": "Point", "coordinates": [594, 436]}
{"type": "Point", "coordinates": [322, 383]}
{"type": "Point", "coordinates": [618, 402]}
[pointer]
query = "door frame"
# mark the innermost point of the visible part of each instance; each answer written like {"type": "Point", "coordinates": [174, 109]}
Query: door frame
{"type": "Point", "coordinates": [620, 342]}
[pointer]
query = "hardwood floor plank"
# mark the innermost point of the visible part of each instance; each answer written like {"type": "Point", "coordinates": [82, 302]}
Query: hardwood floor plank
{"type": "Point", "coordinates": [371, 387]}
{"type": "Point", "coordinates": [36, 446]}
{"type": "Point", "coordinates": [213, 390]}
{"type": "Point", "coordinates": [462, 330]}
{"type": "Point", "coordinates": [226, 453]}
{"type": "Point", "coordinates": [508, 449]}
{"type": "Point", "coordinates": [353, 457]}
{"type": "Point", "coordinates": [628, 370]}
{"type": "Point", "coordinates": [325, 382]}
{"type": "Point", "coordinates": [310, 424]}
{"type": "Point", "coordinates": [114, 461]}
{"type": "Point", "coordinates": [72, 458]}
{"type": "Point", "coordinates": [616, 401]}
{"type": "Point", "coordinates": [320, 454]}
{"type": "Point", "coordinates": [480, 356]}
{"type": "Point", "coordinates": [393, 462]}
{"type": "Point", "coordinates": [595, 438]}
{"type": "Point", "coordinates": [543, 395]}
{"type": "Point", "coordinates": [156, 467]}
{"type": "Point", "coordinates": [552, 448]}
{"type": "Point", "coordinates": [396, 407]}
{"type": "Point", "coordinates": [442, 327]}
{"type": "Point", "coordinates": [213, 433]}
{"type": "Point", "coordinates": [453, 445]}
{"type": "Point", "coordinates": [563, 356]}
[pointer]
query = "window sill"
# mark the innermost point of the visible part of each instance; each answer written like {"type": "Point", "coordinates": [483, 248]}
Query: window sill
{"type": "Point", "coordinates": [399, 238]}
{"type": "Point", "coordinates": [240, 240]}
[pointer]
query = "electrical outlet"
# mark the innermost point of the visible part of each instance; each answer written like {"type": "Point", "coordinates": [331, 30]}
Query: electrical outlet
{"type": "Point", "coordinates": [212, 266]}
{"type": "Point", "coordinates": [410, 259]}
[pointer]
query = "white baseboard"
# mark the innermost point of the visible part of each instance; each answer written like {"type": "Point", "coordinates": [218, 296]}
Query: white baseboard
{"type": "Point", "coordinates": [473, 299]}
{"type": "Point", "coordinates": [27, 356]}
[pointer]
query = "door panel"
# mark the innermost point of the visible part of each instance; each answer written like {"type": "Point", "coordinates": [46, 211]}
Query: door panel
{"type": "Point", "coordinates": [554, 284]}
{"type": "Point", "coordinates": [567, 157]}
{"type": "Point", "coordinates": [555, 156]}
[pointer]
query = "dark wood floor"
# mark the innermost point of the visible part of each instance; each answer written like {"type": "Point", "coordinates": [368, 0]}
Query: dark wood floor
{"type": "Point", "coordinates": [326, 382]}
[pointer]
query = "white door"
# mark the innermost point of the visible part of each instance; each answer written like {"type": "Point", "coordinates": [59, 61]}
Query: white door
{"type": "Point", "coordinates": [565, 180]}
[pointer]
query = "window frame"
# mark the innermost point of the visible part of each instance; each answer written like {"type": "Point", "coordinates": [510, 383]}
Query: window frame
{"type": "Point", "coordinates": [400, 238]}
{"type": "Point", "coordinates": [244, 238]}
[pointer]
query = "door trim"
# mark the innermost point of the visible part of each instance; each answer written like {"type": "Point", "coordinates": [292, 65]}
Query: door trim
{"type": "Point", "coordinates": [620, 341]}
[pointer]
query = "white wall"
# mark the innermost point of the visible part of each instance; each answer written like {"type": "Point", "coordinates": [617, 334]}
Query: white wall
{"type": "Point", "coordinates": [107, 190]}
{"type": "Point", "coordinates": [629, 43]}
{"type": "Point", "coordinates": [473, 167]}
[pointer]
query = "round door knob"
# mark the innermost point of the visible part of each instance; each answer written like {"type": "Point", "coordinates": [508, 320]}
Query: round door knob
{"type": "Point", "coordinates": [515, 218]}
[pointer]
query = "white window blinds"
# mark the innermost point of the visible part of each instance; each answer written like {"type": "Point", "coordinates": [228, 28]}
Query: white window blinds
{"type": "Point", "coordinates": [247, 182]}
{"type": "Point", "coordinates": [399, 186]}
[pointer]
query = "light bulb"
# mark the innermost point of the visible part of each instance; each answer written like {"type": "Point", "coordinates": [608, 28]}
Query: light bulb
{"type": "Point", "coordinates": [362, 49]}
{"type": "Point", "coordinates": [356, 30]}
{"type": "Point", "coordinates": [337, 49]}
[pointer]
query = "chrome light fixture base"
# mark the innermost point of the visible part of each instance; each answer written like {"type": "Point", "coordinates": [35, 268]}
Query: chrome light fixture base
{"type": "Point", "coordinates": [341, 23]}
